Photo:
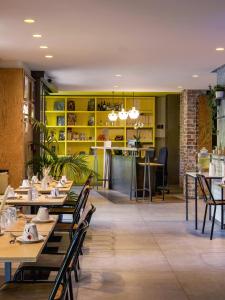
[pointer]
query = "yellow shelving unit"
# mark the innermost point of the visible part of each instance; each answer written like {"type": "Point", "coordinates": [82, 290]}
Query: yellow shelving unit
{"type": "Point", "coordinates": [77, 122]}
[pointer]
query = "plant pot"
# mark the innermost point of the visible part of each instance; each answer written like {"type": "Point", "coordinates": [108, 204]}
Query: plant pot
{"type": "Point", "coordinates": [219, 94]}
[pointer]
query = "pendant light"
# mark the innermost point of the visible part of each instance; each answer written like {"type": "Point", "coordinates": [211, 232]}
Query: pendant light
{"type": "Point", "coordinates": [113, 116]}
{"type": "Point", "coordinates": [123, 115]}
{"type": "Point", "coordinates": [133, 113]}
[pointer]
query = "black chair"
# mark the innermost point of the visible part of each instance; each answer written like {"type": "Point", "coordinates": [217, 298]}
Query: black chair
{"type": "Point", "coordinates": [52, 290]}
{"type": "Point", "coordinates": [162, 159]}
{"type": "Point", "coordinates": [51, 262]}
{"type": "Point", "coordinates": [209, 201]}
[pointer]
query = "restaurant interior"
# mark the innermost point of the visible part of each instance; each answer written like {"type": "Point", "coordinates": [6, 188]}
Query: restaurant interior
{"type": "Point", "coordinates": [112, 150]}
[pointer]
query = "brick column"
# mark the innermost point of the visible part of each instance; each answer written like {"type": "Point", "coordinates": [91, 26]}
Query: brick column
{"type": "Point", "coordinates": [188, 130]}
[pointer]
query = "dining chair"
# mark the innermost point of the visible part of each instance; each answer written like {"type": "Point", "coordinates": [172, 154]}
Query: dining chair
{"type": "Point", "coordinates": [51, 262]}
{"type": "Point", "coordinates": [58, 289]}
{"type": "Point", "coordinates": [209, 201]}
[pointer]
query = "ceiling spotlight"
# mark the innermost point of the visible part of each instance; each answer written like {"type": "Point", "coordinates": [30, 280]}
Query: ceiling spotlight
{"type": "Point", "coordinates": [195, 76]}
{"type": "Point", "coordinates": [44, 47]}
{"type": "Point", "coordinates": [37, 35]}
{"type": "Point", "coordinates": [220, 49]}
{"type": "Point", "coordinates": [49, 56]}
{"type": "Point", "coordinates": [29, 21]}
{"type": "Point", "coordinates": [118, 75]}
{"type": "Point", "coordinates": [115, 86]}
{"type": "Point", "coordinates": [180, 87]}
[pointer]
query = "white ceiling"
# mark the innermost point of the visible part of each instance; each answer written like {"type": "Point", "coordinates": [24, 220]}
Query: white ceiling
{"type": "Point", "coordinates": [156, 45]}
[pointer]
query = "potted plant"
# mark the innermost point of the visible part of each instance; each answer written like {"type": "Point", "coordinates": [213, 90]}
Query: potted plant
{"type": "Point", "coordinates": [74, 166]}
{"type": "Point", "coordinates": [137, 136]}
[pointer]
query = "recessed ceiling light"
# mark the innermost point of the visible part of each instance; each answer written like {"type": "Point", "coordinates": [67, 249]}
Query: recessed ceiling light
{"type": "Point", "coordinates": [29, 21]}
{"type": "Point", "coordinates": [220, 49]}
{"type": "Point", "coordinates": [49, 56]}
{"type": "Point", "coordinates": [180, 87]}
{"type": "Point", "coordinates": [37, 35]}
{"type": "Point", "coordinates": [116, 86]}
{"type": "Point", "coordinates": [195, 76]}
{"type": "Point", "coordinates": [44, 47]}
{"type": "Point", "coordinates": [118, 75]}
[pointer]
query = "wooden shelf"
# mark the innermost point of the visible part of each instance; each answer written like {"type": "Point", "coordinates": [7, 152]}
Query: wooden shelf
{"type": "Point", "coordinates": [77, 141]}
{"type": "Point", "coordinates": [79, 126]}
{"type": "Point", "coordinates": [55, 111]}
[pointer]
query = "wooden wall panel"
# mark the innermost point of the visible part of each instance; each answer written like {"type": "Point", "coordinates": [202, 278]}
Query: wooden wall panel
{"type": "Point", "coordinates": [204, 125]}
{"type": "Point", "coordinates": [11, 124]}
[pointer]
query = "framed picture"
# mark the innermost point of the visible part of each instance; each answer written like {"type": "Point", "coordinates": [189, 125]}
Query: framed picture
{"type": "Point", "coordinates": [60, 121]}
{"type": "Point", "coordinates": [61, 135]}
{"type": "Point", "coordinates": [71, 105]}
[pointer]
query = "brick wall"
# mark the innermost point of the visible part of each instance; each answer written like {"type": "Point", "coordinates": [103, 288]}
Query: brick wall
{"type": "Point", "coordinates": [188, 130]}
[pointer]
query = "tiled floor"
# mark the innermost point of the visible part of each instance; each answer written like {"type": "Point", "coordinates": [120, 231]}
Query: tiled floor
{"type": "Point", "coordinates": [147, 251]}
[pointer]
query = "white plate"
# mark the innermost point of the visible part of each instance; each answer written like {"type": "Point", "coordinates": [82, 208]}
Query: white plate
{"type": "Point", "coordinates": [37, 220]}
{"type": "Point", "coordinates": [20, 239]}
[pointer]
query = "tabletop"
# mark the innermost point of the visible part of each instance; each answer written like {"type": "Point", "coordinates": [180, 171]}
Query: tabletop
{"type": "Point", "coordinates": [206, 174]}
{"type": "Point", "coordinates": [45, 200]}
{"type": "Point", "coordinates": [23, 252]}
{"type": "Point", "coordinates": [65, 189]}
{"type": "Point", "coordinates": [151, 164]}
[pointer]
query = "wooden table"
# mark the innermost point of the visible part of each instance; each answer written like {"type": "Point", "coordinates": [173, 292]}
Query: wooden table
{"type": "Point", "coordinates": [64, 189]}
{"type": "Point", "coordinates": [42, 200]}
{"type": "Point", "coordinates": [193, 175]}
{"type": "Point", "coordinates": [18, 252]}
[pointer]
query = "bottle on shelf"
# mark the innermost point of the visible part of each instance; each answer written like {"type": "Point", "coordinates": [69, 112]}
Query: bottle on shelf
{"type": "Point", "coordinates": [104, 106]}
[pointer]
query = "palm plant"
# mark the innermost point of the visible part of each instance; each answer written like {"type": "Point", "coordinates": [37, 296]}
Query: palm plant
{"type": "Point", "coordinates": [74, 166]}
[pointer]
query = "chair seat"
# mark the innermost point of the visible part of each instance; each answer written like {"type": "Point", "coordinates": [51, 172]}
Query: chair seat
{"type": "Point", "coordinates": [61, 210]}
{"type": "Point", "coordinates": [46, 261]}
{"type": "Point", "coordinates": [28, 290]}
{"type": "Point", "coordinates": [217, 202]}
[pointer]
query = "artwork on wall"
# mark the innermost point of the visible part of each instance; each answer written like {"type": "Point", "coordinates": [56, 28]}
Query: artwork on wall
{"type": "Point", "coordinates": [61, 135]}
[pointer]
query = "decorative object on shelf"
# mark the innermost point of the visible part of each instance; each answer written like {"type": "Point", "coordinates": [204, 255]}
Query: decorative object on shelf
{"type": "Point", "coordinates": [69, 134]}
{"type": "Point", "coordinates": [60, 121]}
{"type": "Point", "coordinates": [61, 135]}
{"type": "Point", "coordinates": [119, 138]}
{"type": "Point", "coordinates": [59, 105]}
{"type": "Point", "coordinates": [75, 136]}
{"type": "Point", "coordinates": [91, 105]}
{"type": "Point", "coordinates": [133, 113]}
{"type": "Point", "coordinates": [91, 121]}
{"type": "Point", "coordinates": [71, 119]}
{"type": "Point", "coordinates": [137, 136]}
{"type": "Point", "coordinates": [71, 105]}
{"type": "Point", "coordinates": [101, 137]}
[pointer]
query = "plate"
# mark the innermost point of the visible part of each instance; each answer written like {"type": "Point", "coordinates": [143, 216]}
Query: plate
{"type": "Point", "coordinates": [36, 220]}
{"type": "Point", "coordinates": [22, 241]}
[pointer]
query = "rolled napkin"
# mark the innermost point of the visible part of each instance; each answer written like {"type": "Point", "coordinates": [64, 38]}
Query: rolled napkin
{"type": "Point", "coordinates": [4, 198]}
{"type": "Point", "coordinates": [64, 179]}
{"type": "Point", "coordinates": [25, 183]}
{"type": "Point", "coordinates": [60, 184]}
{"type": "Point", "coordinates": [34, 179]}
{"type": "Point", "coordinates": [11, 192]}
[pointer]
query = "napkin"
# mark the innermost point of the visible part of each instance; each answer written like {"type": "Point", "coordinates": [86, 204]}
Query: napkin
{"type": "Point", "coordinates": [11, 192]}
{"type": "Point", "coordinates": [4, 198]}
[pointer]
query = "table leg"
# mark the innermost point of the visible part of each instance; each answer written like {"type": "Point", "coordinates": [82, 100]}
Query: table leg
{"type": "Point", "coordinates": [132, 174]}
{"type": "Point", "coordinates": [186, 195]}
{"type": "Point", "coordinates": [196, 204]}
{"type": "Point", "coordinates": [210, 208]}
{"type": "Point", "coordinates": [163, 182]}
{"type": "Point", "coordinates": [8, 271]}
{"type": "Point", "coordinates": [222, 213]}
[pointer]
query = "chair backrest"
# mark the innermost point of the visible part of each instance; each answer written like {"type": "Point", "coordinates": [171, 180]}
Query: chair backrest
{"type": "Point", "coordinates": [81, 203]}
{"type": "Point", "coordinates": [205, 188]}
{"type": "Point", "coordinates": [150, 154]}
{"type": "Point", "coordinates": [72, 252]}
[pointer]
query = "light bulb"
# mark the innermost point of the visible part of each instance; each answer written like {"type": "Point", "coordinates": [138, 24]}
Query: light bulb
{"type": "Point", "coordinates": [133, 113]}
{"type": "Point", "coordinates": [112, 116]}
{"type": "Point", "coordinates": [123, 115]}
